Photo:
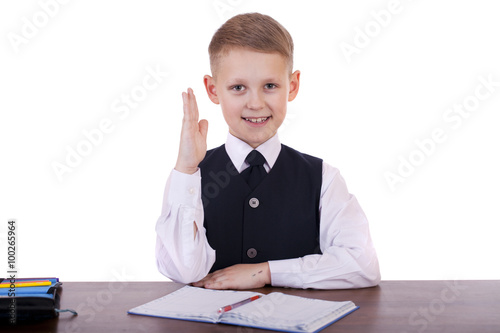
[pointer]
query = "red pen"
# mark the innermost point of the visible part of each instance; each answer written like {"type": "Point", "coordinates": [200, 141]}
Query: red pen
{"type": "Point", "coordinates": [235, 305]}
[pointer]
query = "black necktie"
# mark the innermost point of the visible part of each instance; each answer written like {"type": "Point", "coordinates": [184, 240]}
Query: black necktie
{"type": "Point", "coordinates": [255, 172]}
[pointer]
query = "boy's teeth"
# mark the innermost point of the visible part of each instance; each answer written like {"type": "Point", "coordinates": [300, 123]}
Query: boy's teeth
{"type": "Point", "coordinates": [256, 120]}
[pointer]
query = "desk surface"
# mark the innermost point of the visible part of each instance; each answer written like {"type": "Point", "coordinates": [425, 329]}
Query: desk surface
{"type": "Point", "coordinates": [393, 306]}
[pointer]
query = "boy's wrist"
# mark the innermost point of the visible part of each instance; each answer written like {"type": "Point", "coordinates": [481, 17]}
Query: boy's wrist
{"type": "Point", "coordinates": [186, 170]}
{"type": "Point", "coordinates": [266, 272]}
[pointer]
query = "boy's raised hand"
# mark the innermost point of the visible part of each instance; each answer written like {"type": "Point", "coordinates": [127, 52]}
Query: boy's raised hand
{"type": "Point", "coordinates": [193, 145]}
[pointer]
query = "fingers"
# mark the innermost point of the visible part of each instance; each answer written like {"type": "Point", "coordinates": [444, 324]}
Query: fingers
{"type": "Point", "coordinates": [191, 114]}
{"type": "Point", "coordinates": [211, 280]}
{"type": "Point", "coordinates": [193, 143]}
{"type": "Point", "coordinates": [203, 281]}
{"type": "Point", "coordinates": [219, 285]}
{"type": "Point", "coordinates": [190, 106]}
{"type": "Point", "coordinates": [219, 282]}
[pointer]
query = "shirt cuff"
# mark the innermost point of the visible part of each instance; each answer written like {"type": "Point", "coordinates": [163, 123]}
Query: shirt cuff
{"type": "Point", "coordinates": [185, 189]}
{"type": "Point", "coordinates": [286, 273]}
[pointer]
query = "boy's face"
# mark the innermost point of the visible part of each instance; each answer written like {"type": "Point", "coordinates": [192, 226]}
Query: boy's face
{"type": "Point", "coordinates": [253, 89]}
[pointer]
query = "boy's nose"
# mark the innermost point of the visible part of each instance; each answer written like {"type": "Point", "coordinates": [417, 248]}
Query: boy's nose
{"type": "Point", "coordinates": [255, 101]}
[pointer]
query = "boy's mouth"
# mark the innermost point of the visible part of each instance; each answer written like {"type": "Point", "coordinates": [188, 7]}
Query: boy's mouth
{"type": "Point", "coordinates": [255, 120]}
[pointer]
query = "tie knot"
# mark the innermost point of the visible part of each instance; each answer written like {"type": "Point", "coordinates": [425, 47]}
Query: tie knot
{"type": "Point", "coordinates": [255, 158]}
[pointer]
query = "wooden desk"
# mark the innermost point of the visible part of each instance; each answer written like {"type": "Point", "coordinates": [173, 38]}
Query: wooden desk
{"type": "Point", "coordinates": [393, 306]}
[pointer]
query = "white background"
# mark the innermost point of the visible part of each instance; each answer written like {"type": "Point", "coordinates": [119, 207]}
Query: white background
{"type": "Point", "coordinates": [361, 113]}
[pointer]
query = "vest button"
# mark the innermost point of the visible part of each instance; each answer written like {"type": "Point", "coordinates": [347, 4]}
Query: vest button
{"type": "Point", "coordinates": [251, 253]}
{"type": "Point", "coordinates": [254, 202]}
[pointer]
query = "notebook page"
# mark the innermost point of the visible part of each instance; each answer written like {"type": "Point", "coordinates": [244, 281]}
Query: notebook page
{"type": "Point", "coordinates": [192, 303]}
{"type": "Point", "coordinates": [286, 312]}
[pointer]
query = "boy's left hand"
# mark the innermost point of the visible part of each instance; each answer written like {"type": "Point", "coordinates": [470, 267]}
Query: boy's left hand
{"type": "Point", "coordinates": [241, 276]}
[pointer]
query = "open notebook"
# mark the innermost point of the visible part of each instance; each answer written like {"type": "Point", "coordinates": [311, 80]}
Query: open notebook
{"type": "Point", "coordinates": [276, 311]}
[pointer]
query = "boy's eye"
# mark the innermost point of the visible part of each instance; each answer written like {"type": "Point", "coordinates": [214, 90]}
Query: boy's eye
{"type": "Point", "coordinates": [238, 87]}
{"type": "Point", "coordinates": [270, 86]}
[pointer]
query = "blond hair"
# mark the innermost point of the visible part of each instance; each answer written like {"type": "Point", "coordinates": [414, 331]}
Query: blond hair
{"type": "Point", "coordinates": [255, 31]}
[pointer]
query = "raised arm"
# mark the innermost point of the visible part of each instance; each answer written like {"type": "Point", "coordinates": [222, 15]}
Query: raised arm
{"type": "Point", "coordinates": [182, 251]}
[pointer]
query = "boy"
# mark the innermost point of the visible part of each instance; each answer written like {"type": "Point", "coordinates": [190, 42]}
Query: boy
{"type": "Point", "coordinates": [254, 212]}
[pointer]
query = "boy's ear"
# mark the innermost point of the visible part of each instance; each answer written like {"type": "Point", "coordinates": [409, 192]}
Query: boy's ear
{"type": "Point", "coordinates": [211, 90]}
{"type": "Point", "coordinates": [294, 85]}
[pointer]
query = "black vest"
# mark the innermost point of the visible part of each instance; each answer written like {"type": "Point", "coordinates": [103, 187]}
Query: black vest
{"type": "Point", "coordinates": [278, 220]}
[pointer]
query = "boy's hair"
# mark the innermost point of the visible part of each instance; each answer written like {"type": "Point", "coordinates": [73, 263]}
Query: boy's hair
{"type": "Point", "coordinates": [256, 31]}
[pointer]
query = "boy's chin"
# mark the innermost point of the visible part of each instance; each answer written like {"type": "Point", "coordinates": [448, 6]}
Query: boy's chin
{"type": "Point", "coordinates": [256, 140]}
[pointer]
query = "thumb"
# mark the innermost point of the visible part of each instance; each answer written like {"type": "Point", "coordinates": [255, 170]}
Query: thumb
{"type": "Point", "coordinates": [203, 126]}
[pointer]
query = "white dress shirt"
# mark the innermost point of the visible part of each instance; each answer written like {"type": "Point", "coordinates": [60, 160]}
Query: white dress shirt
{"type": "Point", "coordinates": [348, 258]}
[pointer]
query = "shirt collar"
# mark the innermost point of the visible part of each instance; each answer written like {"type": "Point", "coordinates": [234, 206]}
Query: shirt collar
{"type": "Point", "coordinates": [238, 150]}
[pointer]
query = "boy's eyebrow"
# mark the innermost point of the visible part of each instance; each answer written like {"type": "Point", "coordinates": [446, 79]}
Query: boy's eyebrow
{"type": "Point", "coordinates": [244, 81]}
{"type": "Point", "coordinates": [236, 81]}
{"type": "Point", "coordinates": [272, 79]}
